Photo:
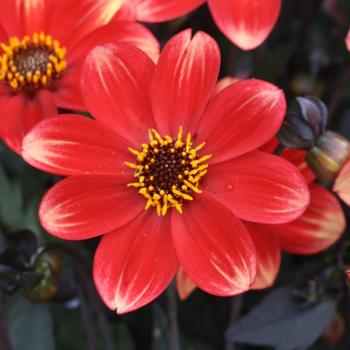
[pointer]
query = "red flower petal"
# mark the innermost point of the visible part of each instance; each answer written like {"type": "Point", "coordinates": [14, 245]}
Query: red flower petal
{"type": "Point", "coordinates": [134, 264]}
{"type": "Point", "coordinates": [164, 10]}
{"type": "Point", "coordinates": [119, 32]}
{"type": "Point", "coordinates": [297, 157]}
{"type": "Point", "coordinates": [35, 15]}
{"type": "Point", "coordinates": [66, 90]}
{"type": "Point", "coordinates": [116, 87]}
{"type": "Point", "coordinates": [3, 35]}
{"type": "Point", "coordinates": [126, 13]}
{"type": "Point", "coordinates": [268, 255]}
{"type": "Point", "coordinates": [73, 20]}
{"type": "Point", "coordinates": [67, 93]}
{"type": "Point", "coordinates": [246, 23]}
{"type": "Point", "coordinates": [75, 145]}
{"type": "Point", "coordinates": [318, 228]}
{"type": "Point", "coordinates": [184, 79]}
{"type": "Point", "coordinates": [20, 113]}
{"type": "Point", "coordinates": [241, 118]}
{"type": "Point", "coordinates": [342, 183]}
{"type": "Point", "coordinates": [270, 146]}
{"type": "Point", "coordinates": [10, 18]}
{"type": "Point", "coordinates": [214, 247]}
{"type": "Point", "coordinates": [5, 95]}
{"type": "Point", "coordinates": [81, 207]}
{"type": "Point", "coordinates": [184, 284]}
{"type": "Point", "coordinates": [259, 187]}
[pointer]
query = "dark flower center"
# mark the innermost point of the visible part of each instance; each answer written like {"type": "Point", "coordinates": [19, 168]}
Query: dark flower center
{"type": "Point", "coordinates": [168, 171]}
{"type": "Point", "coordinates": [32, 62]}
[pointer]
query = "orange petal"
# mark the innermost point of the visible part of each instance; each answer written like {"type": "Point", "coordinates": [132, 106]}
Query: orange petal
{"type": "Point", "coordinates": [342, 183]}
{"type": "Point", "coordinates": [184, 284]}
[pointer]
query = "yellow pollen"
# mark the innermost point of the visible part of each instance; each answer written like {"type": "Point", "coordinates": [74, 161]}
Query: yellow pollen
{"type": "Point", "coordinates": [31, 63]}
{"type": "Point", "coordinates": [168, 171]}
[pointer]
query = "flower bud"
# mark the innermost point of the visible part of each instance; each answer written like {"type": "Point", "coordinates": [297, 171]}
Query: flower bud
{"type": "Point", "coordinates": [329, 154]}
{"type": "Point", "coordinates": [49, 264]}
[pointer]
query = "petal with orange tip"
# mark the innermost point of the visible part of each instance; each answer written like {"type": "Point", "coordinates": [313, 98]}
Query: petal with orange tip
{"type": "Point", "coordinates": [342, 183]}
{"type": "Point", "coordinates": [319, 227]}
{"type": "Point", "coordinates": [184, 284]}
{"type": "Point", "coordinates": [224, 83]}
{"type": "Point", "coordinates": [268, 255]}
{"type": "Point", "coordinates": [163, 10]}
{"type": "Point", "coordinates": [246, 23]}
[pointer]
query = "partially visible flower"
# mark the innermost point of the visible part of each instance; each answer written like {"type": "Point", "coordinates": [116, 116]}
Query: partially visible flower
{"type": "Point", "coordinates": [246, 23]}
{"type": "Point", "coordinates": [166, 171]}
{"type": "Point", "coordinates": [342, 183]}
{"type": "Point", "coordinates": [224, 83]}
{"type": "Point", "coordinates": [319, 227]}
{"type": "Point", "coordinates": [347, 40]}
{"type": "Point", "coordinates": [43, 45]}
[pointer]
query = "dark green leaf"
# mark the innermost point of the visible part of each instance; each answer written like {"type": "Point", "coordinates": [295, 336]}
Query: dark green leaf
{"type": "Point", "coordinates": [11, 203]}
{"type": "Point", "coordinates": [278, 321]}
{"type": "Point", "coordinates": [30, 325]}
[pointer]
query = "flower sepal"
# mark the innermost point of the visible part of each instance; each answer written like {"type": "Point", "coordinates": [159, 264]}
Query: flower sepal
{"type": "Point", "coordinates": [328, 156]}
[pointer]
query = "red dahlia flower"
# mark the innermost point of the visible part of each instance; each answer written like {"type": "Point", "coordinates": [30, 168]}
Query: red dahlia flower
{"type": "Point", "coordinates": [316, 229]}
{"type": "Point", "coordinates": [166, 171]}
{"type": "Point", "coordinates": [246, 23]}
{"type": "Point", "coordinates": [43, 44]}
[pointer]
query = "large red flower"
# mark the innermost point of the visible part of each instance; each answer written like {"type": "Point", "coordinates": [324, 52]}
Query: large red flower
{"type": "Point", "coordinates": [43, 44]}
{"type": "Point", "coordinates": [160, 142]}
{"type": "Point", "coordinates": [246, 23]}
{"type": "Point", "coordinates": [316, 229]}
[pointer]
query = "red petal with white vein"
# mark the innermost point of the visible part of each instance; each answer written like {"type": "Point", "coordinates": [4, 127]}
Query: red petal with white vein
{"type": "Point", "coordinates": [319, 227]}
{"type": "Point", "coordinates": [133, 265]}
{"type": "Point", "coordinates": [241, 118]}
{"type": "Point", "coordinates": [259, 187]}
{"type": "Point", "coordinates": [163, 10]}
{"type": "Point", "coordinates": [268, 255]}
{"type": "Point", "coordinates": [246, 23]}
{"type": "Point", "coordinates": [81, 207]}
{"type": "Point", "coordinates": [183, 81]}
{"type": "Point", "coordinates": [214, 247]}
{"type": "Point", "coordinates": [75, 145]}
{"type": "Point", "coordinates": [115, 86]}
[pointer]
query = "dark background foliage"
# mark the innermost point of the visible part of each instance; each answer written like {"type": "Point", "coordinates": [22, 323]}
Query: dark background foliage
{"type": "Point", "coordinates": [307, 309]}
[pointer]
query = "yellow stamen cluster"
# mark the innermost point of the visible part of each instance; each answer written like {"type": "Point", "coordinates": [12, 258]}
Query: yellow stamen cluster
{"type": "Point", "coordinates": [32, 62]}
{"type": "Point", "coordinates": [168, 171]}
